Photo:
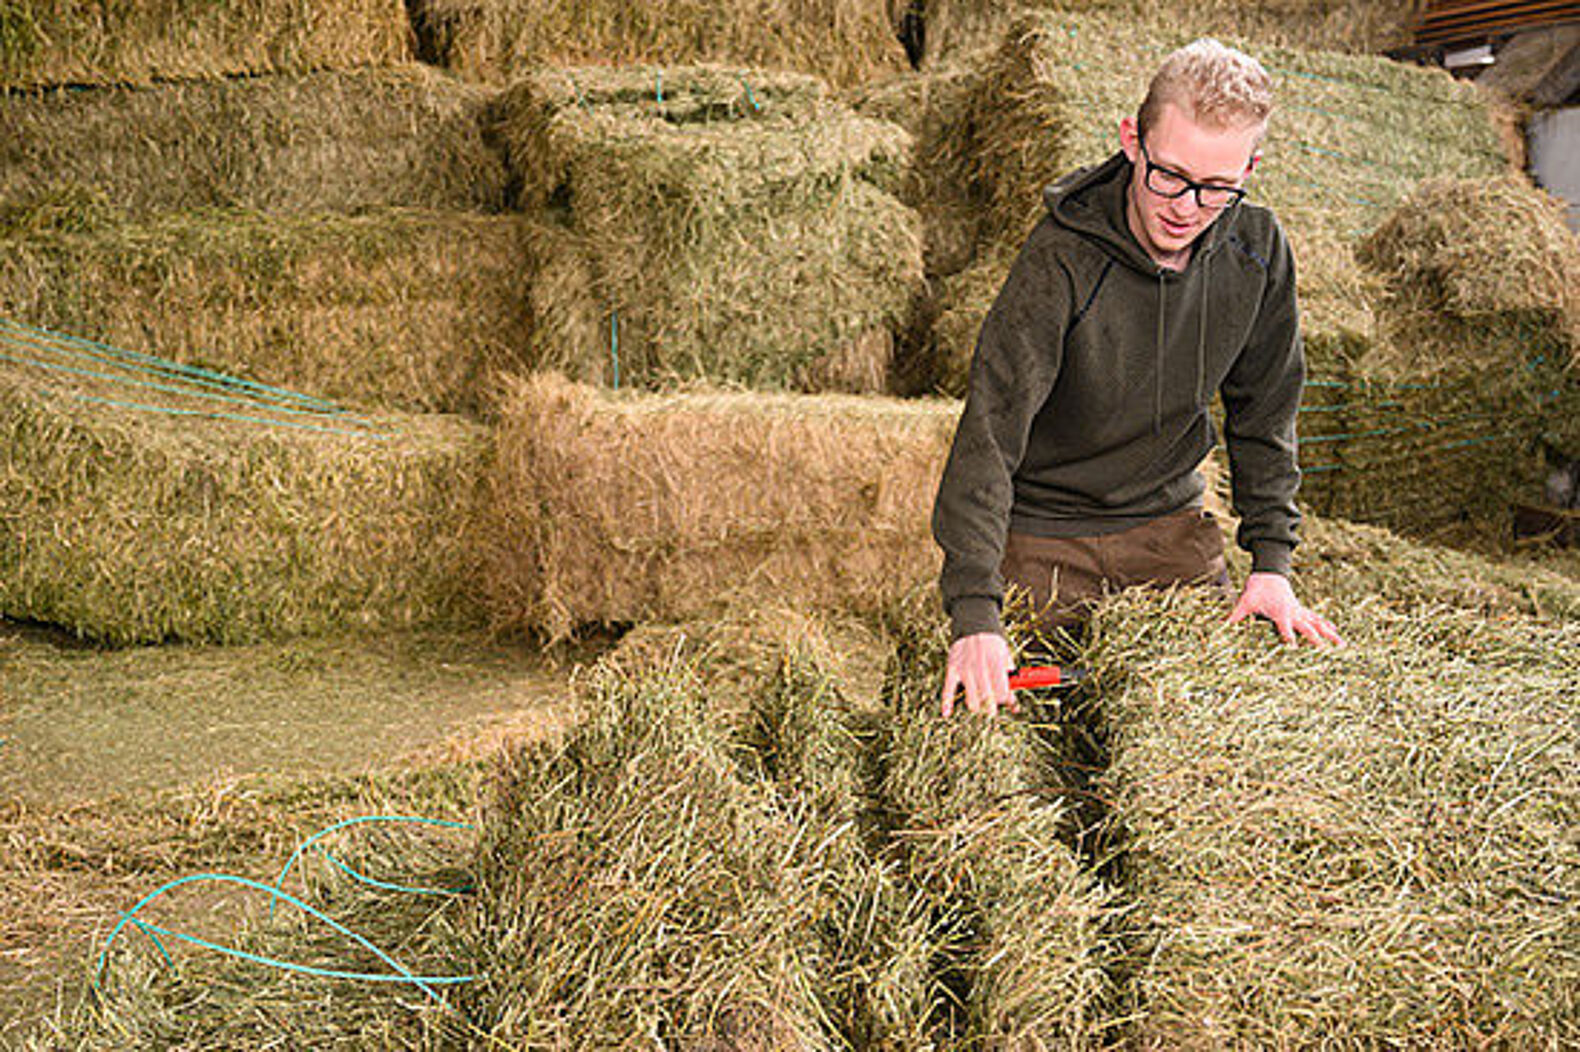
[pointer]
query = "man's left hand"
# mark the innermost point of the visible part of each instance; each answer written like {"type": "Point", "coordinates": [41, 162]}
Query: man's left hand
{"type": "Point", "coordinates": [1270, 595]}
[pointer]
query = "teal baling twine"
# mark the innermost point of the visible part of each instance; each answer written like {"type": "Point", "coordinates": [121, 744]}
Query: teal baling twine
{"type": "Point", "coordinates": [426, 983]}
{"type": "Point", "coordinates": [750, 97]}
{"type": "Point", "coordinates": [75, 356]}
{"type": "Point", "coordinates": [614, 345]}
{"type": "Point", "coordinates": [301, 848]}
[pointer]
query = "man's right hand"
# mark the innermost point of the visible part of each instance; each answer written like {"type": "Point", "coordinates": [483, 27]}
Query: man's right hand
{"type": "Point", "coordinates": [980, 664]}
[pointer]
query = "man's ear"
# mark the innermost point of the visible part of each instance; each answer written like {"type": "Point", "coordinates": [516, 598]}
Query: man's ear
{"type": "Point", "coordinates": [1130, 138]}
{"type": "Point", "coordinates": [1250, 166]}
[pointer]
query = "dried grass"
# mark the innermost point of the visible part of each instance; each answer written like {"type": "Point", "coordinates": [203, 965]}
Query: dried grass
{"type": "Point", "coordinates": [1358, 848]}
{"type": "Point", "coordinates": [57, 42]}
{"type": "Point", "coordinates": [604, 509]}
{"type": "Point", "coordinates": [131, 526]}
{"type": "Point", "coordinates": [846, 41]}
{"type": "Point", "coordinates": [738, 230]}
{"type": "Point", "coordinates": [398, 308]}
{"type": "Point", "coordinates": [319, 142]}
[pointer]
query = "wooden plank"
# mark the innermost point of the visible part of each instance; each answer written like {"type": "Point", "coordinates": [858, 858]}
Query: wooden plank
{"type": "Point", "coordinates": [1472, 22]}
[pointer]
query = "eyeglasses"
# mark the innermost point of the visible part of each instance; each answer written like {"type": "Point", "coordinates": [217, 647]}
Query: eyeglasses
{"type": "Point", "coordinates": [1166, 182]}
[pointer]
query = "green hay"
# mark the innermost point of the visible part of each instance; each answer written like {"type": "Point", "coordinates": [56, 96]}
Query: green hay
{"type": "Point", "coordinates": [846, 41]}
{"type": "Point", "coordinates": [739, 230]}
{"type": "Point", "coordinates": [955, 28]}
{"type": "Point", "coordinates": [1359, 848]}
{"type": "Point", "coordinates": [134, 527]}
{"type": "Point", "coordinates": [397, 308]}
{"type": "Point", "coordinates": [608, 509]}
{"type": "Point", "coordinates": [321, 142]}
{"type": "Point", "coordinates": [51, 42]}
{"type": "Point", "coordinates": [632, 886]}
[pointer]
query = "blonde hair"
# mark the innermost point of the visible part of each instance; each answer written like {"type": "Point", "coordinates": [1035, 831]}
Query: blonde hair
{"type": "Point", "coordinates": [1215, 85]}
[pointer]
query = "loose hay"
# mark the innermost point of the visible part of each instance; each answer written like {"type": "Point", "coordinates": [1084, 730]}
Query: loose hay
{"type": "Point", "coordinates": [738, 230]}
{"type": "Point", "coordinates": [398, 308]}
{"type": "Point", "coordinates": [50, 42]}
{"type": "Point", "coordinates": [321, 142]}
{"type": "Point", "coordinates": [130, 526]}
{"type": "Point", "coordinates": [1358, 848]}
{"type": "Point", "coordinates": [605, 509]}
{"type": "Point", "coordinates": [844, 40]}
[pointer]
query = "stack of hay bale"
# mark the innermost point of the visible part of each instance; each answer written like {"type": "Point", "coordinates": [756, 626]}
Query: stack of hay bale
{"type": "Point", "coordinates": [273, 189]}
{"type": "Point", "coordinates": [1351, 141]}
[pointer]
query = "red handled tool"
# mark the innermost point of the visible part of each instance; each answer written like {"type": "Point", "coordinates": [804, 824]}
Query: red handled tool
{"type": "Point", "coordinates": [1036, 677]}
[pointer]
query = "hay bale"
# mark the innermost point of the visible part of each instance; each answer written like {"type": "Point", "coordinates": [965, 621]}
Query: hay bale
{"type": "Point", "coordinates": [397, 308]}
{"type": "Point", "coordinates": [1361, 848]}
{"type": "Point", "coordinates": [739, 230]}
{"type": "Point", "coordinates": [956, 28]}
{"type": "Point", "coordinates": [1475, 286]}
{"type": "Point", "coordinates": [1471, 266]}
{"type": "Point", "coordinates": [846, 41]}
{"type": "Point", "coordinates": [318, 142]}
{"type": "Point", "coordinates": [608, 509]}
{"type": "Point", "coordinates": [631, 884]}
{"type": "Point", "coordinates": [237, 520]}
{"type": "Point", "coordinates": [56, 42]}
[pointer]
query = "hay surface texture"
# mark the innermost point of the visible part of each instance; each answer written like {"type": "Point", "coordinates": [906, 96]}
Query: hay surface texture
{"type": "Point", "coordinates": [712, 223]}
{"type": "Point", "coordinates": [1358, 848]}
{"type": "Point", "coordinates": [45, 42]}
{"type": "Point", "coordinates": [321, 142]}
{"type": "Point", "coordinates": [844, 40]}
{"type": "Point", "coordinates": [244, 518]}
{"type": "Point", "coordinates": [608, 508]}
{"type": "Point", "coordinates": [632, 887]}
{"type": "Point", "coordinates": [405, 309]}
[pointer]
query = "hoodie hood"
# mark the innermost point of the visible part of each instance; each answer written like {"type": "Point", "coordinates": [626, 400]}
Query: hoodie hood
{"type": "Point", "coordinates": [1092, 203]}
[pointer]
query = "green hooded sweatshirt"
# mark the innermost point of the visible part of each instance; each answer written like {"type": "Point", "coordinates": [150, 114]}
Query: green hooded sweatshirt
{"type": "Point", "coordinates": [1088, 406]}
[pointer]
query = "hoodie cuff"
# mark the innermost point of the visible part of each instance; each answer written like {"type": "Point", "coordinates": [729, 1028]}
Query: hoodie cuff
{"type": "Point", "coordinates": [1271, 557]}
{"type": "Point", "coordinates": [972, 614]}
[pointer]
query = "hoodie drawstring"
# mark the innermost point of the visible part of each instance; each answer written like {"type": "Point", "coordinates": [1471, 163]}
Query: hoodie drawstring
{"type": "Point", "coordinates": [1201, 334]}
{"type": "Point", "coordinates": [1157, 371]}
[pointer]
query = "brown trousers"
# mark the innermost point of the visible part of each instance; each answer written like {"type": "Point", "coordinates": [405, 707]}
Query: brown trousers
{"type": "Point", "coordinates": [1065, 576]}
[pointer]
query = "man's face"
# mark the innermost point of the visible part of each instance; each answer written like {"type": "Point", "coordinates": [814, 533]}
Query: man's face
{"type": "Point", "coordinates": [1177, 146]}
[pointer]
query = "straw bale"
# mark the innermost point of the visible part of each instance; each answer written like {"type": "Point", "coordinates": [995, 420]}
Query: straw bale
{"type": "Point", "coordinates": [233, 521]}
{"type": "Point", "coordinates": [317, 142]}
{"type": "Point", "coordinates": [608, 508]}
{"type": "Point", "coordinates": [49, 42]}
{"type": "Point", "coordinates": [1369, 847]}
{"type": "Point", "coordinates": [739, 230]}
{"type": "Point", "coordinates": [399, 308]}
{"type": "Point", "coordinates": [846, 41]}
{"type": "Point", "coordinates": [631, 884]}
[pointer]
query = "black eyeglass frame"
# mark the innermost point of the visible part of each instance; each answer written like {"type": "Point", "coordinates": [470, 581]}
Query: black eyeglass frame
{"type": "Point", "coordinates": [1235, 194]}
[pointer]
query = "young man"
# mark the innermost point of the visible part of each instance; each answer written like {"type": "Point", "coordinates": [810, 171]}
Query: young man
{"type": "Point", "coordinates": [1148, 285]}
